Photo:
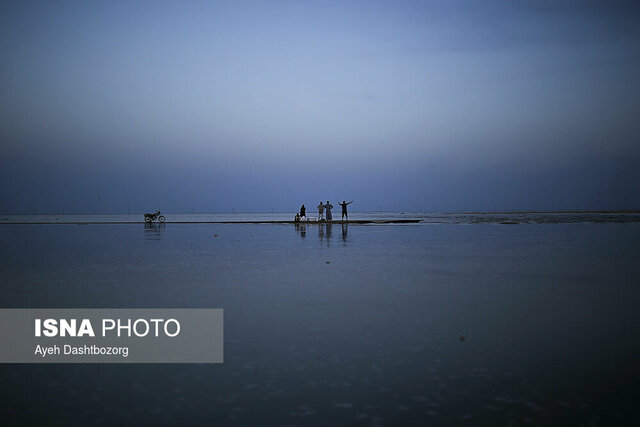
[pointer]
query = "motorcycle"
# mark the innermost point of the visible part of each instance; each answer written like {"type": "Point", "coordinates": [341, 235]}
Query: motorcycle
{"type": "Point", "coordinates": [150, 217]}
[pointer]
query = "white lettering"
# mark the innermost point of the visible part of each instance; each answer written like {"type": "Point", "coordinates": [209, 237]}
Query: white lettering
{"type": "Point", "coordinates": [86, 328]}
{"type": "Point", "coordinates": [44, 351]}
{"type": "Point", "coordinates": [50, 328]}
{"type": "Point", "coordinates": [135, 328]}
{"type": "Point", "coordinates": [166, 327]}
{"type": "Point", "coordinates": [67, 327]}
{"type": "Point", "coordinates": [105, 328]}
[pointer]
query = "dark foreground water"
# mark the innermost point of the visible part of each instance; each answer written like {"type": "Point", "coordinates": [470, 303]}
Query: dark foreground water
{"type": "Point", "coordinates": [324, 325]}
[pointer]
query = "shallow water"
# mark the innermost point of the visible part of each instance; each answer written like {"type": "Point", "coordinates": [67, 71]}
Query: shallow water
{"type": "Point", "coordinates": [332, 325]}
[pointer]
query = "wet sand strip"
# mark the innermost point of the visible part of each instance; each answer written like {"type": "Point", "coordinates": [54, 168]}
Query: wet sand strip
{"type": "Point", "coordinates": [352, 221]}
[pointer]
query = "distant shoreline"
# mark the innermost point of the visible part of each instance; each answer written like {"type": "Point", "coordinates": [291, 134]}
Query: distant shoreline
{"type": "Point", "coordinates": [627, 211]}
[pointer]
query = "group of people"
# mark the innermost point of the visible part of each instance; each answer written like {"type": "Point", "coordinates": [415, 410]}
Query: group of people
{"type": "Point", "coordinates": [322, 208]}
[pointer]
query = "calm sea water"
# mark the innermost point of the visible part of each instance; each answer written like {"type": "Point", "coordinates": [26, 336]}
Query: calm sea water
{"type": "Point", "coordinates": [356, 325]}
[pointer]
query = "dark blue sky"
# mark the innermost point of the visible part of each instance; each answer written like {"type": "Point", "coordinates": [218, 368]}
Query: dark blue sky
{"type": "Point", "coordinates": [261, 105]}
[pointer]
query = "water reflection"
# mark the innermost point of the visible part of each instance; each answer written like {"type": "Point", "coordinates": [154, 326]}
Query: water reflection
{"type": "Point", "coordinates": [301, 229]}
{"type": "Point", "coordinates": [153, 231]}
{"type": "Point", "coordinates": [325, 231]}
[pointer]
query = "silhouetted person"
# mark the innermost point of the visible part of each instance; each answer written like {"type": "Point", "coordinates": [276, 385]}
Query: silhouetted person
{"type": "Point", "coordinates": [328, 207]}
{"type": "Point", "coordinates": [303, 211]}
{"type": "Point", "coordinates": [344, 209]}
{"type": "Point", "coordinates": [320, 211]}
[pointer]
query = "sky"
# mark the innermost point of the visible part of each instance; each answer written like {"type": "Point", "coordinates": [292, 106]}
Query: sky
{"type": "Point", "coordinates": [259, 106]}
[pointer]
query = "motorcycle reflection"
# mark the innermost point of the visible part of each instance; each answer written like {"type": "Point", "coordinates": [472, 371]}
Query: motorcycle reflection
{"type": "Point", "coordinates": [153, 231]}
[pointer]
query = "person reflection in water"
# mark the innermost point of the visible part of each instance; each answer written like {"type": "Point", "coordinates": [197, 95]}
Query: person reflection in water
{"type": "Point", "coordinates": [328, 207]}
{"type": "Point", "coordinates": [344, 209]}
{"type": "Point", "coordinates": [301, 228]}
{"type": "Point", "coordinates": [345, 229]}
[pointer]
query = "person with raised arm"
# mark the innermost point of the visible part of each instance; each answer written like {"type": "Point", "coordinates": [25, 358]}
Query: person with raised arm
{"type": "Point", "coordinates": [344, 209]}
